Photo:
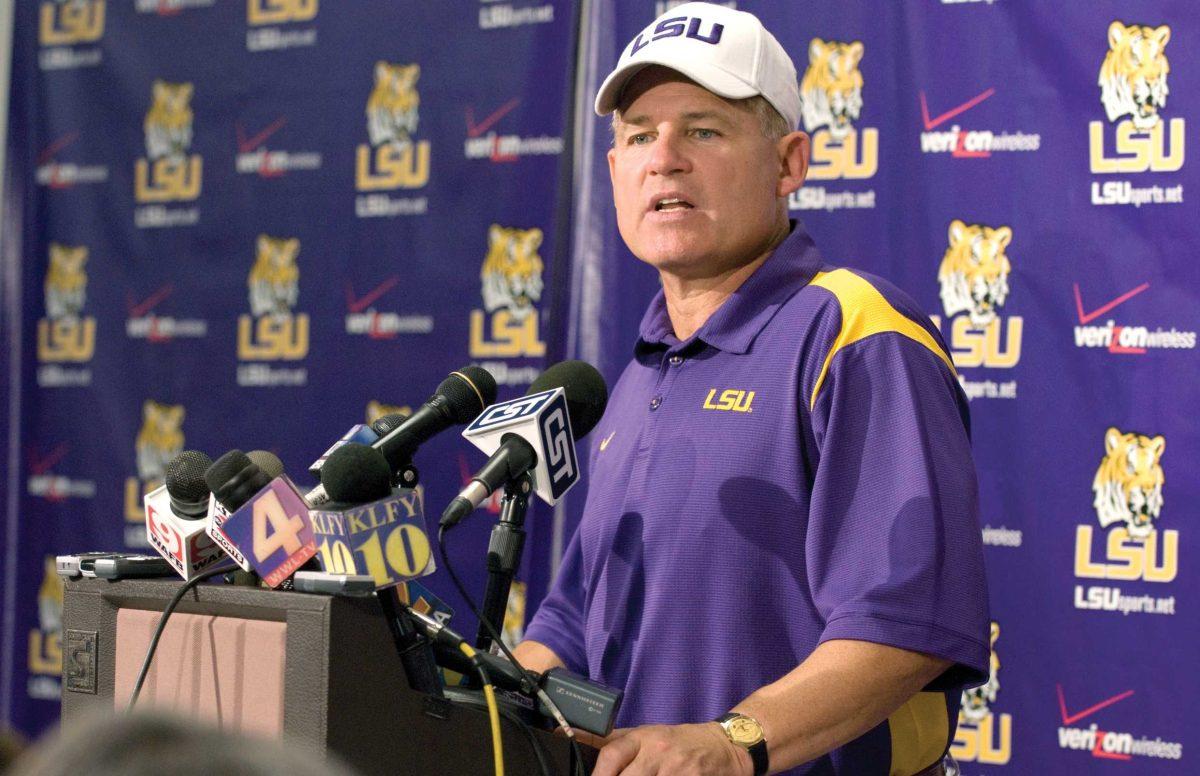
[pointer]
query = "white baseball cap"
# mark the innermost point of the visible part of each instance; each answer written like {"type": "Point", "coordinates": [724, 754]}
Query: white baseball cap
{"type": "Point", "coordinates": [728, 52]}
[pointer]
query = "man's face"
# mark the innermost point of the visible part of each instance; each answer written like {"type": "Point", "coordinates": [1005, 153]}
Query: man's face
{"type": "Point", "coordinates": [694, 178]}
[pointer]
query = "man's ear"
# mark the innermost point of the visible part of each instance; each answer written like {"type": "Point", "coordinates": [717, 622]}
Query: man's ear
{"type": "Point", "coordinates": [793, 162]}
{"type": "Point", "coordinates": [612, 164]}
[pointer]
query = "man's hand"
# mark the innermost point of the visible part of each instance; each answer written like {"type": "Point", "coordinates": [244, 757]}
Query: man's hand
{"type": "Point", "coordinates": [678, 750]}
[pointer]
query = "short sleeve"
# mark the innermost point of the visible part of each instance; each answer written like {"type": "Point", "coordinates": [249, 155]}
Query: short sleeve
{"type": "Point", "coordinates": [558, 621]}
{"type": "Point", "coordinates": [893, 548]}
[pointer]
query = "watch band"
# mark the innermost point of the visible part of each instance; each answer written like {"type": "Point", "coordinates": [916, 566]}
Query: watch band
{"type": "Point", "coordinates": [758, 751]}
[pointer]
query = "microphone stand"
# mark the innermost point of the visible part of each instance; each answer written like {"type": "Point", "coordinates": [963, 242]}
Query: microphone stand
{"type": "Point", "coordinates": [504, 556]}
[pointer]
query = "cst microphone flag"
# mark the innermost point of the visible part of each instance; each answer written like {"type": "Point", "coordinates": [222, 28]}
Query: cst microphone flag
{"type": "Point", "coordinates": [268, 521]}
{"type": "Point", "coordinates": [370, 528]}
{"type": "Point", "coordinates": [175, 512]}
{"type": "Point", "coordinates": [535, 433]}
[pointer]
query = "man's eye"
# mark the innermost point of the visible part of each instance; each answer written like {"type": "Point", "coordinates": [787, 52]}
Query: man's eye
{"type": "Point", "coordinates": [705, 134]}
{"type": "Point", "coordinates": [641, 138]}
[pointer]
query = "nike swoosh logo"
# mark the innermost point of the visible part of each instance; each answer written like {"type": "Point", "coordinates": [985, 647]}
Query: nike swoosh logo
{"type": "Point", "coordinates": [604, 442]}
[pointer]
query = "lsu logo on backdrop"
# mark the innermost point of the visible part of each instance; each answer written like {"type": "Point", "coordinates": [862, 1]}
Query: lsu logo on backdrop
{"type": "Point", "coordinates": [168, 173]}
{"type": "Point", "coordinates": [394, 159]}
{"type": "Point", "coordinates": [65, 335]}
{"type": "Point", "coordinates": [1133, 91]}
{"type": "Point", "coordinates": [377, 409]}
{"type": "Point", "coordinates": [159, 439]}
{"type": "Point", "coordinates": [64, 29]}
{"type": "Point", "coordinates": [266, 13]}
{"type": "Point", "coordinates": [1128, 499]}
{"type": "Point", "coordinates": [45, 641]}
{"type": "Point", "coordinates": [831, 102]}
{"type": "Point", "coordinates": [273, 332]}
{"type": "Point", "coordinates": [973, 282]}
{"type": "Point", "coordinates": [982, 735]}
{"type": "Point", "coordinates": [511, 280]}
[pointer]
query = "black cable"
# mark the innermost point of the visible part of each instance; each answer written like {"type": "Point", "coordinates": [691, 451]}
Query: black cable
{"type": "Point", "coordinates": [496, 639]}
{"type": "Point", "coordinates": [162, 625]}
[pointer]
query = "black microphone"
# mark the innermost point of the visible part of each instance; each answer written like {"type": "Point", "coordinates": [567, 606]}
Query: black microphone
{"type": "Point", "coordinates": [388, 423]}
{"type": "Point", "coordinates": [458, 399]}
{"type": "Point", "coordinates": [359, 474]}
{"type": "Point", "coordinates": [186, 486]}
{"type": "Point", "coordinates": [586, 396]}
{"type": "Point", "coordinates": [234, 479]}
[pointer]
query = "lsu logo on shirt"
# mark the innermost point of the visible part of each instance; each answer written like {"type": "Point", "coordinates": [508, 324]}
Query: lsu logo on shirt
{"type": "Point", "coordinates": [168, 173]}
{"type": "Point", "coordinates": [68, 23]}
{"type": "Point", "coordinates": [982, 735]}
{"type": "Point", "coordinates": [259, 12]}
{"type": "Point", "coordinates": [1133, 89]}
{"type": "Point", "coordinates": [511, 280]}
{"type": "Point", "coordinates": [394, 159]}
{"type": "Point", "coordinates": [973, 285]}
{"type": "Point", "coordinates": [729, 400]}
{"type": "Point", "coordinates": [831, 101]}
{"type": "Point", "coordinates": [159, 439]}
{"type": "Point", "coordinates": [45, 641]}
{"type": "Point", "coordinates": [272, 332]}
{"type": "Point", "coordinates": [1128, 498]}
{"type": "Point", "coordinates": [66, 335]}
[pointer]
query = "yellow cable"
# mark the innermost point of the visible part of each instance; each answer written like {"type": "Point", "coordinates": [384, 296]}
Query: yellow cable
{"type": "Point", "coordinates": [493, 711]}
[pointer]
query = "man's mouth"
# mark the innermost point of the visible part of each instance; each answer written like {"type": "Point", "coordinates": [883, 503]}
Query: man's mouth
{"type": "Point", "coordinates": [671, 203]}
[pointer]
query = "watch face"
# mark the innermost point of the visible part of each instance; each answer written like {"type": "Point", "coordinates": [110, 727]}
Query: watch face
{"type": "Point", "coordinates": [745, 731]}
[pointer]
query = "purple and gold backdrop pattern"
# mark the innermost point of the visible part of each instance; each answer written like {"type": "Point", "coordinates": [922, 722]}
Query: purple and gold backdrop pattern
{"type": "Point", "coordinates": [253, 224]}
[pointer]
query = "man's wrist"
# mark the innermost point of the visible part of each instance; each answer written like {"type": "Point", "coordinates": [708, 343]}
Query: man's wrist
{"type": "Point", "coordinates": [745, 764]}
{"type": "Point", "coordinates": [744, 732]}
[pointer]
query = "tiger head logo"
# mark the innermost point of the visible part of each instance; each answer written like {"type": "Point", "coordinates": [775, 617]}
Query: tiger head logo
{"type": "Point", "coordinates": [274, 279]}
{"type": "Point", "coordinates": [169, 121]}
{"type": "Point", "coordinates": [1133, 77]}
{"type": "Point", "coordinates": [512, 271]}
{"type": "Point", "coordinates": [159, 440]}
{"type": "Point", "coordinates": [66, 281]}
{"type": "Point", "coordinates": [831, 89]}
{"type": "Point", "coordinates": [376, 410]}
{"type": "Point", "coordinates": [392, 106]}
{"type": "Point", "coordinates": [1128, 484]}
{"type": "Point", "coordinates": [975, 701]}
{"type": "Point", "coordinates": [974, 271]}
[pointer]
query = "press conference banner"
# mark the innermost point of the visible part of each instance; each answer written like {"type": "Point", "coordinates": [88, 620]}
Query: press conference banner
{"type": "Point", "coordinates": [1025, 171]}
{"type": "Point", "coordinates": [252, 224]}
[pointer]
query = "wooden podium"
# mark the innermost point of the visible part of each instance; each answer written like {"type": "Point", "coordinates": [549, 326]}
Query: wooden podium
{"type": "Point", "coordinates": [319, 670]}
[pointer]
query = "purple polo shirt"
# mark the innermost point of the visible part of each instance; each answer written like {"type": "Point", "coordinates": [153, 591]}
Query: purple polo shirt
{"type": "Point", "coordinates": [799, 470]}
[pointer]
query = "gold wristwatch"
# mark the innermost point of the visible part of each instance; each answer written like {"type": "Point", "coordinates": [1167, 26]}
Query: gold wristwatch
{"type": "Point", "coordinates": [747, 733]}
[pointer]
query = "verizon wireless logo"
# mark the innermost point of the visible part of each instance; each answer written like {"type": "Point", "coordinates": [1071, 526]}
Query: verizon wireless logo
{"type": "Point", "coordinates": [1125, 339]}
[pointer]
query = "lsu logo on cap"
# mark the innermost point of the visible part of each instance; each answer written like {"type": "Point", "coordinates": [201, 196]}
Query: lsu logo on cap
{"type": "Point", "coordinates": [973, 279]}
{"type": "Point", "coordinates": [394, 159]}
{"type": "Point", "coordinates": [272, 332]}
{"type": "Point", "coordinates": [1128, 499]}
{"type": "Point", "coordinates": [830, 101]}
{"type": "Point", "coordinates": [511, 279]}
{"type": "Point", "coordinates": [158, 441]}
{"type": "Point", "coordinates": [674, 28]}
{"type": "Point", "coordinates": [65, 335]}
{"type": "Point", "coordinates": [975, 739]}
{"type": "Point", "coordinates": [67, 23]}
{"type": "Point", "coordinates": [1133, 90]}
{"type": "Point", "coordinates": [168, 173]}
{"type": "Point", "coordinates": [280, 11]}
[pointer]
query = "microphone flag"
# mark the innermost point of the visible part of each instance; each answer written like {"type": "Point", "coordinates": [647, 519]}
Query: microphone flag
{"type": "Point", "coordinates": [386, 539]}
{"type": "Point", "coordinates": [273, 531]}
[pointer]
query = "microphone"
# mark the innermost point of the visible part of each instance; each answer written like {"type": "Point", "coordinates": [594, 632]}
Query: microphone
{"type": "Point", "coordinates": [534, 434]}
{"type": "Point", "coordinates": [175, 511]}
{"type": "Point", "coordinates": [216, 514]}
{"type": "Point", "coordinates": [268, 521]}
{"type": "Point", "coordinates": [461, 396]}
{"type": "Point", "coordinates": [362, 434]}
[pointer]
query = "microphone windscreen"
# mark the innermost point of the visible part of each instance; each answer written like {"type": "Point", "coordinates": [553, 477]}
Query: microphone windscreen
{"type": "Point", "coordinates": [356, 474]}
{"type": "Point", "coordinates": [587, 394]}
{"type": "Point", "coordinates": [267, 461]}
{"type": "Point", "coordinates": [468, 392]}
{"type": "Point", "coordinates": [185, 477]}
{"type": "Point", "coordinates": [388, 423]}
{"type": "Point", "coordinates": [225, 469]}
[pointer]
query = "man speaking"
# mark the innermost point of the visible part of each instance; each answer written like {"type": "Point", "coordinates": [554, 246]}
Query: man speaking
{"type": "Point", "coordinates": [780, 557]}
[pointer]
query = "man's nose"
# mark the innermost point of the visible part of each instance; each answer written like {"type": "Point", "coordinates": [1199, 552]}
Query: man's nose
{"type": "Point", "coordinates": [668, 156]}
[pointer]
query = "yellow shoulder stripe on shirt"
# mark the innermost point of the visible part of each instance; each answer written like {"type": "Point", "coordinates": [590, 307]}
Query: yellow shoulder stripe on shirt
{"type": "Point", "coordinates": [865, 312]}
{"type": "Point", "coordinates": [919, 731]}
